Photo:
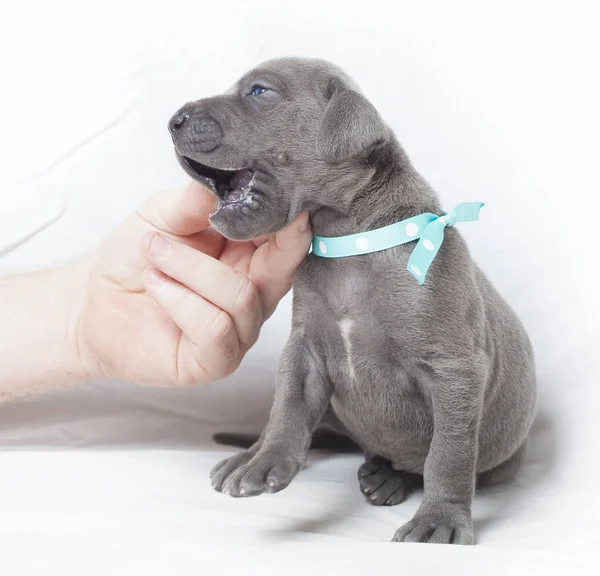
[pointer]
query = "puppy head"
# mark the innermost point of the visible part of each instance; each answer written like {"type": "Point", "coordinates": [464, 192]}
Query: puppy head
{"type": "Point", "coordinates": [291, 135]}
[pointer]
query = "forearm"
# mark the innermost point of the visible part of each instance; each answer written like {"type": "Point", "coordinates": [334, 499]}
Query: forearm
{"type": "Point", "coordinates": [39, 347]}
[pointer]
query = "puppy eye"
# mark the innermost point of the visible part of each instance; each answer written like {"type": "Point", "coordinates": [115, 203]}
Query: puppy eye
{"type": "Point", "coordinates": [257, 90]}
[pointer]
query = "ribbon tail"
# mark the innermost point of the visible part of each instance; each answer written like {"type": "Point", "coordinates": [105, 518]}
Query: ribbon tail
{"type": "Point", "coordinates": [426, 250]}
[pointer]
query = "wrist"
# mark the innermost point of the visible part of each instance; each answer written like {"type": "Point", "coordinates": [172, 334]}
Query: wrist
{"type": "Point", "coordinates": [39, 335]}
{"type": "Point", "coordinates": [72, 348]}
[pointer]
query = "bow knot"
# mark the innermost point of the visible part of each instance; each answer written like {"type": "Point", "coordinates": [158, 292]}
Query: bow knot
{"type": "Point", "coordinates": [433, 235]}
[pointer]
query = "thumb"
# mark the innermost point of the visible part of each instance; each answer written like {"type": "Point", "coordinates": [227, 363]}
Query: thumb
{"type": "Point", "coordinates": [275, 262]}
{"type": "Point", "coordinates": [180, 211]}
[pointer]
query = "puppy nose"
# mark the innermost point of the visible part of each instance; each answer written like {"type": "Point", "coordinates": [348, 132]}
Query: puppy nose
{"type": "Point", "coordinates": [176, 123]}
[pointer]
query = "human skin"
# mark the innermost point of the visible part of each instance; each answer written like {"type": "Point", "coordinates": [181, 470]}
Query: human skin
{"type": "Point", "coordinates": [164, 300]}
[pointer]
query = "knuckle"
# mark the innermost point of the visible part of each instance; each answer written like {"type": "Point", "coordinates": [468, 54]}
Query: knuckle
{"type": "Point", "coordinates": [194, 265]}
{"type": "Point", "coordinates": [247, 300]}
{"type": "Point", "coordinates": [228, 357]}
{"type": "Point", "coordinates": [222, 330]}
{"type": "Point", "coordinates": [189, 379]}
{"type": "Point", "coordinates": [231, 364]}
{"type": "Point", "coordinates": [187, 304]}
{"type": "Point", "coordinates": [206, 367]}
{"type": "Point", "coordinates": [226, 362]}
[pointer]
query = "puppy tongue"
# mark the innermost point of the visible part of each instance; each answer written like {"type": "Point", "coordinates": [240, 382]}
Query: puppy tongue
{"type": "Point", "coordinates": [240, 184]}
{"type": "Point", "coordinates": [241, 180]}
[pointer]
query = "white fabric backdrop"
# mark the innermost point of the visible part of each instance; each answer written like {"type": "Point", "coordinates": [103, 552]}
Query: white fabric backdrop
{"type": "Point", "coordinates": [494, 101]}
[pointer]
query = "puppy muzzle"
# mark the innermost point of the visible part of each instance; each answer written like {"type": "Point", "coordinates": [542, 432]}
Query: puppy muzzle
{"type": "Point", "coordinates": [198, 133]}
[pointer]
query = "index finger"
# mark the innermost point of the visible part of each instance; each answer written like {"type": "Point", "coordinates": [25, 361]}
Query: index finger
{"type": "Point", "coordinates": [180, 211]}
{"type": "Point", "coordinates": [275, 262]}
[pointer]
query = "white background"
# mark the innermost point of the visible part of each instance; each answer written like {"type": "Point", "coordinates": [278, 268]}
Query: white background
{"type": "Point", "coordinates": [494, 101]}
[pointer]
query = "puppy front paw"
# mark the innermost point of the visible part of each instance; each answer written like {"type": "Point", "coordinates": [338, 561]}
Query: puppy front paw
{"type": "Point", "coordinates": [225, 468]}
{"type": "Point", "coordinates": [439, 524]}
{"type": "Point", "coordinates": [250, 475]}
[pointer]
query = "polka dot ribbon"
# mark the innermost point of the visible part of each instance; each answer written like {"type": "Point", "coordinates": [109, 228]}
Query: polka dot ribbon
{"type": "Point", "coordinates": [427, 228]}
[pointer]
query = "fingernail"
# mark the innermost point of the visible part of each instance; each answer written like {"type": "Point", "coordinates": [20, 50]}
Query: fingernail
{"type": "Point", "coordinates": [160, 246]}
{"type": "Point", "coordinates": [303, 227]}
{"type": "Point", "coordinates": [155, 278]}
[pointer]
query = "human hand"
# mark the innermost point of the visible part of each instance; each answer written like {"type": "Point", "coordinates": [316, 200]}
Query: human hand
{"type": "Point", "coordinates": [169, 301]}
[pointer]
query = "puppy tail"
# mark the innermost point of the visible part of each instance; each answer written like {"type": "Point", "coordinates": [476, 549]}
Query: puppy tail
{"type": "Point", "coordinates": [324, 440]}
{"type": "Point", "coordinates": [234, 439]}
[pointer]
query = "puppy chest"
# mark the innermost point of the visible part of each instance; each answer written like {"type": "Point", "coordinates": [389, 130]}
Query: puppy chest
{"type": "Point", "coordinates": [356, 349]}
{"type": "Point", "coordinates": [346, 326]}
{"type": "Point", "coordinates": [380, 402]}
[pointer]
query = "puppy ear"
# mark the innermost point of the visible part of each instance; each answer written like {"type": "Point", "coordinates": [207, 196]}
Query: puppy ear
{"type": "Point", "coordinates": [351, 125]}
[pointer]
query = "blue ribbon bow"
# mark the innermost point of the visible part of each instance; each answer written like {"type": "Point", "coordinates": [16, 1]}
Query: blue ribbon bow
{"type": "Point", "coordinates": [427, 228]}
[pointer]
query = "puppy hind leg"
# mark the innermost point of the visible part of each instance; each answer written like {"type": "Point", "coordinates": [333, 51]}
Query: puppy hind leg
{"type": "Point", "coordinates": [505, 471]}
{"type": "Point", "coordinates": [382, 485]}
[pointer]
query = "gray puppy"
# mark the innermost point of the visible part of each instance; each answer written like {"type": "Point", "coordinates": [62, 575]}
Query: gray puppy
{"type": "Point", "coordinates": [434, 381]}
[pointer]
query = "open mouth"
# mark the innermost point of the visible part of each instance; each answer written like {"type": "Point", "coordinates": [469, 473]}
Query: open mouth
{"type": "Point", "coordinates": [232, 187]}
